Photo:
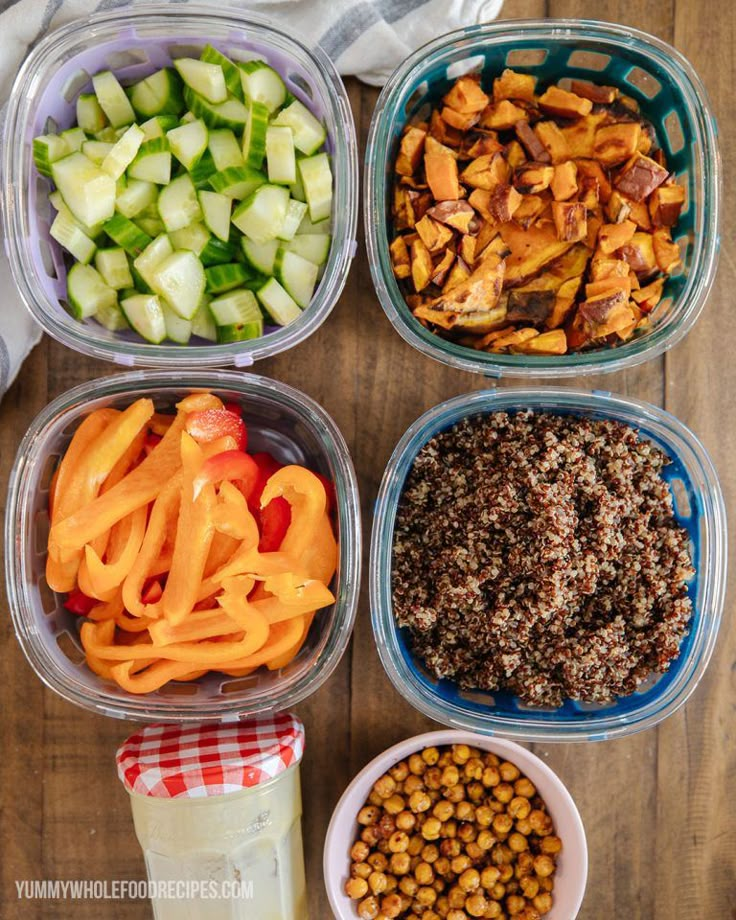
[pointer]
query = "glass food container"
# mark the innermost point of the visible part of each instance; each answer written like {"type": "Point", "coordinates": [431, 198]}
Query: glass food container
{"type": "Point", "coordinates": [670, 94]}
{"type": "Point", "coordinates": [698, 507]}
{"type": "Point", "coordinates": [217, 811]}
{"type": "Point", "coordinates": [281, 420]}
{"type": "Point", "coordinates": [133, 44]}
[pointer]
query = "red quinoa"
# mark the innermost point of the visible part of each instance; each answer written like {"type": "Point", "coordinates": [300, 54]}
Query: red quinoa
{"type": "Point", "coordinates": [538, 554]}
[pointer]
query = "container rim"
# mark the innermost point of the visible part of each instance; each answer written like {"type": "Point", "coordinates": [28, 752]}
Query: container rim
{"type": "Point", "coordinates": [700, 276]}
{"type": "Point", "coordinates": [712, 576]}
{"type": "Point", "coordinates": [55, 48]}
{"type": "Point", "coordinates": [17, 534]}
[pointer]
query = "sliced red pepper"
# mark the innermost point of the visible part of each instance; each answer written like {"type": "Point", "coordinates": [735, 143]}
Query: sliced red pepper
{"type": "Point", "coordinates": [329, 491]}
{"type": "Point", "coordinates": [273, 522]}
{"type": "Point", "coordinates": [209, 424]}
{"type": "Point", "coordinates": [79, 603]}
{"type": "Point", "coordinates": [151, 441]}
{"type": "Point", "coordinates": [233, 407]}
{"type": "Point", "coordinates": [231, 465]}
{"type": "Point", "coordinates": [267, 466]}
{"type": "Point", "coordinates": [152, 592]}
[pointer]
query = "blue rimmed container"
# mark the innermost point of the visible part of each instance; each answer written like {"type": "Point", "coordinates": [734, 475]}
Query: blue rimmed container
{"type": "Point", "coordinates": [699, 507]}
{"type": "Point", "coordinates": [669, 93]}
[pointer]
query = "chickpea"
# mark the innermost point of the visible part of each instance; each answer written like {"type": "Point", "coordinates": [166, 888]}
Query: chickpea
{"type": "Point", "coordinates": [391, 906]}
{"type": "Point", "coordinates": [456, 897]}
{"type": "Point", "coordinates": [518, 843]}
{"type": "Point", "coordinates": [370, 835]}
{"type": "Point", "coordinates": [495, 806]}
{"type": "Point", "coordinates": [416, 844]}
{"type": "Point", "coordinates": [491, 777]}
{"type": "Point", "coordinates": [375, 799]}
{"type": "Point", "coordinates": [507, 872]}
{"type": "Point", "coordinates": [430, 915]}
{"type": "Point", "coordinates": [356, 888]}
{"type": "Point", "coordinates": [493, 911]}
{"type": "Point", "coordinates": [430, 756]}
{"type": "Point", "coordinates": [460, 863]}
{"type": "Point", "coordinates": [378, 861]}
{"type": "Point", "coordinates": [399, 771]}
{"type": "Point", "coordinates": [443, 810]}
{"type": "Point", "coordinates": [524, 864]}
{"type": "Point", "coordinates": [426, 896]}
{"type": "Point", "coordinates": [502, 824]}
{"type": "Point", "coordinates": [408, 885]}
{"type": "Point", "coordinates": [476, 905]}
{"type": "Point", "coordinates": [501, 855]}
{"type": "Point", "coordinates": [457, 915]}
{"type": "Point", "coordinates": [412, 783]}
{"type": "Point", "coordinates": [450, 847]}
{"type": "Point", "coordinates": [469, 880]}
{"type": "Point", "coordinates": [377, 882]}
{"type": "Point", "coordinates": [439, 885]}
{"type": "Point", "coordinates": [455, 793]}
{"type": "Point", "coordinates": [529, 913]}
{"type": "Point", "coordinates": [419, 801]}
{"type": "Point", "coordinates": [498, 891]}
{"type": "Point", "coordinates": [442, 906]}
{"type": "Point", "coordinates": [529, 885]}
{"type": "Point", "coordinates": [544, 865]}
{"type": "Point", "coordinates": [405, 821]}
{"type": "Point", "coordinates": [519, 807]}
{"type": "Point", "coordinates": [483, 816]}
{"type": "Point", "coordinates": [546, 884]}
{"type": "Point", "coordinates": [398, 842]}
{"type": "Point", "coordinates": [485, 840]}
{"type": "Point", "coordinates": [433, 778]}
{"type": "Point", "coordinates": [385, 786]}
{"type": "Point", "coordinates": [525, 787]}
{"type": "Point", "coordinates": [473, 769]}
{"type": "Point", "coordinates": [431, 829]}
{"type": "Point", "coordinates": [369, 814]}
{"type": "Point", "coordinates": [515, 904]}
{"type": "Point", "coordinates": [550, 845]}
{"type": "Point", "coordinates": [368, 909]}
{"type": "Point", "coordinates": [399, 863]}
{"type": "Point", "coordinates": [394, 805]}
{"type": "Point", "coordinates": [541, 822]}
{"type": "Point", "coordinates": [386, 826]}
{"type": "Point", "coordinates": [489, 876]}
{"type": "Point", "coordinates": [449, 829]}
{"type": "Point", "coordinates": [423, 873]}
{"type": "Point", "coordinates": [473, 850]}
{"type": "Point", "coordinates": [504, 792]}
{"type": "Point", "coordinates": [543, 902]}
{"type": "Point", "coordinates": [361, 870]}
{"type": "Point", "coordinates": [417, 765]}
{"type": "Point", "coordinates": [509, 772]}
{"type": "Point", "coordinates": [461, 753]}
{"type": "Point", "coordinates": [382, 845]}
{"type": "Point", "coordinates": [450, 776]}
{"type": "Point", "coordinates": [464, 811]}
{"type": "Point", "coordinates": [475, 791]}
{"type": "Point", "coordinates": [445, 758]}
{"type": "Point", "coordinates": [524, 827]}
{"type": "Point", "coordinates": [442, 866]}
{"type": "Point", "coordinates": [359, 851]}
{"type": "Point", "coordinates": [430, 853]}
{"type": "Point", "coordinates": [491, 760]}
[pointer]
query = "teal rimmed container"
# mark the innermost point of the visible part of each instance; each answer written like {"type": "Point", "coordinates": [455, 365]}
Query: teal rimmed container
{"type": "Point", "coordinates": [669, 93]}
{"type": "Point", "coordinates": [698, 507]}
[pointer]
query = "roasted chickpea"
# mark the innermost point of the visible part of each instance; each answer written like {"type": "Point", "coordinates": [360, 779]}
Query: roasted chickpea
{"type": "Point", "coordinates": [483, 816]}
{"type": "Point", "coordinates": [515, 904]}
{"type": "Point", "coordinates": [356, 888]}
{"type": "Point", "coordinates": [456, 897]}
{"type": "Point", "coordinates": [524, 864]}
{"type": "Point", "coordinates": [442, 906]}
{"type": "Point", "coordinates": [525, 787]}
{"type": "Point", "coordinates": [473, 850]}
{"type": "Point", "coordinates": [509, 772]}
{"type": "Point", "coordinates": [399, 863]}
{"type": "Point", "coordinates": [394, 805]}
{"type": "Point", "coordinates": [541, 822]}
{"type": "Point", "coordinates": [457, 915]}
{"type": "Point", "coordinates": [377, 882]}
{"type": "Point", "coordinates": [455, 793]}
{"type": "Point", "coordinates": [450, 775]}
{"type": "Point", "coordinates": [491, 777]}
{"type": "Point", "coordinates": [417, 765]}
{"type": "Point", "coordinates": [370, 835]}
{"type": "Point", "coordinates": [493, 911]}
{"type": "Point", "coordinates": [501, 855]}
{"type": "Point", "coordinates": [419, 801]}
{"type": "Point", "coordinates": [550, 845]}
{"type": "Point", "coordinates": [391, 906]}
{"type": "Point", "coordinates": [502, 824]}
{"type": "Point", "coordinates": [398, 842]}
{"type": "Point", "coordinates": [423, 873]}
{"type": "Point", "coordinates": [449, 829]}
{"type": "Point", "coordinates": [489, 876]}
{"type": "Point", "coordinates": [464, 811]}
{"type": "Point", "coordinates": [378, 861]}
{"type": "Point", "coordinates": [405, 821]}
{"type": "Point", "coordinates": [416, 844]}
{"type": "Point", "coordinates": [473, 769]}
{"type": "Point", "coordinates": [426, 896]}
{"type": "Point", "coordinates": [442, 866]}
{"type": "Point", "coordinates": [368, 909]}
{"type": "Point", "coordinates": [443, 810]}
{"type": "Point", "coordinates": [469, 880]}
{"type": "Point", "coordinates": [519, 807]}
{"type": "Point", "coordinates": [399, 771]}
{"type": "Point", "coordinates": [408, 885]}
{"type": "Point", "coordinates": [529, 886]}
{"type": "Point", "coordinates": [543, 902]}
{"type": "Point", "coordinates": [359, 851]}
{"type": "Point", "coordinates": [430, 756]}
{"type": "Point", "coordinates": [385, 786]}
{"type": "Point", "coordinates": [412, 784]}
{"type": "Point", "coordinates": [431, 828]}
{"type": "Point", "coordinates": [460, 863]}
{"type": "Point", "coordinates": [517, 843]}
{"type": "Point", "coordinates": [475, 791]}
{"type": "Point", "coordinates": [450, 847]}
{"type": "Point", "coordinates": [507, 872]}
{"type": "Point", "coordinates": [430, 853]}
{"type": "Point", "coordinates": [504, 792]}
{"type": "Point", "coordinates": [461, 753]}
{"type": "Point", "coordinates": [498, 891]}
{"type": "Point", "coordinates": [433, 778]}
{"type": "Point", "coordinates": [524, 827]}
{"type": "Point", "coordinates": [369, 814]}
{"type": "Point", "coordinates": [476, 905]}
{"type": "Point", "coordinates": [375, 799]}
{"type": "Point", "coordinates": [546, 884]}
{"type": "Point", "coordinates": [544, 865]}
{"type": "Point", "coordinates": [529, 913]}
{"type": "Point", "coordinates": [361, 869]}
{"type": "Point", "coordinates": [485, 840]}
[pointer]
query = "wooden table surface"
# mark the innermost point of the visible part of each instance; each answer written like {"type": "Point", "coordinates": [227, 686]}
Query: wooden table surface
{"type": "Point", "coordinates": [658, 807]}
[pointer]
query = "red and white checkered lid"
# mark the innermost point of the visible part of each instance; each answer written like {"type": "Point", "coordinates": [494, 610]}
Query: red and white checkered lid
{"type": "Point", "coordinates": [195, 761]}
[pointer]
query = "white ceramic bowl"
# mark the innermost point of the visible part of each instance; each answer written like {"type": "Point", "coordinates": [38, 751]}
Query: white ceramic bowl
{"type": "Point", "coordinates": [572, 867]}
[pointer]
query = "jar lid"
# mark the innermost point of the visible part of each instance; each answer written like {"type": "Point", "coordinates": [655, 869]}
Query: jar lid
{"type": "Point", "coordinates": [206, 759]}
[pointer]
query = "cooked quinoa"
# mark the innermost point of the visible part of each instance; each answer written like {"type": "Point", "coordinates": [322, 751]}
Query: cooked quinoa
{"type": "Point", "coordinates": [538, 554]}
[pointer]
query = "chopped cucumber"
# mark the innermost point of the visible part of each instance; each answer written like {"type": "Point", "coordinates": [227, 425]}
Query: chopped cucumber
{"type": "Point", "coordinates": [205, 79]}
{"type": "Point", "coordinates": [237, 182]}
{"type": "Point", "coordinates": [188, 142]}
{"type": "Point", "coordinates": [216, 209]}
{"type": "Point", "coordinates": [136, 196]}
{"type": "Point", "coordinates": [88, 192]}
{"type": "Point", "coordinates": [124, 152]}
{"type": "Point", "coordinates": [262, 84]}
{"type": "Point", "coordinates": [237, 316]}
{"type": "Point", "coordinates": [112, 264]}
{"type": "Point", "coordinates": [90, 116]}
{"type": "Point", "coordinates": [306, 227]}
{"type": "Point", "coordinates": [309, 132]}
{"type": "Point", "coordinates": [261, 216]}
{"type": "Point", "coordinates": [203, 323]}
{"type": "Point", "coordinates": [96, 151]}
{"type": "Point", "coordinates": [152, 162]}
{"type": "Point", "coordinates": [194, 237]}
{"type": "Point", "coordinates": [57, 202]}
{"type": "Point", "coordinates": [144, 313]}
{"type": "Point", "coordinates": [47, 149]}
{"type": "Point", "coordinates": [203, 170]}
{"type": "Point", "coordinates": [225, 149]}
{"type": "Point", "coordinates": [254, 135]}
{"type": "Point", "coordinates": [317, 180]}
{"type": "Point", "coordinates": [278, 303]}
{"type": "Point", "coordinates": [113, 101]}
{"type": "Point", "coordinates": [180, 280]}
{"type": "Point", "coordinates": [312, 246]}
{"type": "Point", "coordinates": [158, 126]}
{"type": "Point", "coordinates": [151, 257]}
{"type": "Point", "coordinates": [158, 94]}
{"type": "Point", "coordinates": [280, 155]}
{"type": "Point", "coordinates": [111, 317]}
{"type": "Point", "coordinates": [178, 204]}
{"type": "Point", "coordinates": [294, 216]}
{"type": "Point", "coordinates": [297, 275]}
{"type": "Point", "coordinates": [229, 114]}
{"type": "Point", "coordinates": [67, 233]}
{"type": "Point", "coordinates": [260, 256]}
{"type": "Point", "coordinates": [73, 138]}
{"type": "Point", "coordinates": [108, 135]}
{"type": "Point", "coordinates": [87, 292]}
{"type": "Point", "coordinates": [151, 226]}
{"type": "Point", "coordinates": [216, 252]}
{"type": "Point", "coordinates": [126, 234]}
{"type": "Point", "coordinates": [177, 329]}
{"type": "Point", "coordinates": [221, 278]}
{"type": "Point", "coordinates": [232, 74]}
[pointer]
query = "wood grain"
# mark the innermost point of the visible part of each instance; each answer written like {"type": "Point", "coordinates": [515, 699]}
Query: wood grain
{"type": "Point", "coordinates": [658, 807]}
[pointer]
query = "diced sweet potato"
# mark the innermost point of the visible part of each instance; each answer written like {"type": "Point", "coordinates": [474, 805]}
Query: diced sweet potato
{"type": "Point", "coordinates": [443, 133]}
{"type": "Point", "coordinates": [442, 177]}
{"type": "Point", "coordinates": [617, 208]}
{"type": "Point", "coordinates": [600, 269]}
{"type": "Point", "coordinates": [462, 121]}
{"type": "Point", "coordinates": [486, 172]}
{"type": "Point", "coordinates": [554, 141]}
{"type": "Point", "coordinates": [589, 192]}
{"type": "Point", "coordinates": [613, 236]}
{"type": "Point", "coordinates": [577, 332]}
{"type": "Point", "coordinates": [565, 297]}
{"type": "Point", "coordinates": [457, 275]}
{"type": "Point", "coordinates": [556, 101]}
{"type": "Point", "coordinates": [665, 204]}
{"type": "Point", "coordinates": [404, 217]}
{"type": "Point", "coordinates": [456, 214]}
{"type": "Point", "coordinates": [466, 95]}
{"type": "Point", "coordinates": [600, 95]}
{"type": "Point", "coordinates": [639, 213]}
{"type": "Point", "coordinates": [480, 199]}
{"type": "Point", "coordinates": [639, 177]}
{"type": "Point", "coordinates": [503, 115]}
{"type": "Point", "coordinates": [553, 342]}
{"type": "Point", "coordinates": [411, 149]}
{"type": "Point", "coordinates": [529, 209]}
{"type": "Point", "coordinates": [532, 178]}
{"type": "Point", "coordinates": [513, 85]}
{"type": "Point", "coordinates": [476, 298]}
{"type": "Point", "coordinates": [420, 203]}
{"type": "Point", "coordinates": [608, 285]}
{"type": "Point", "coordinates": [517, 337]}
{"type": "Point", "coordinates": [533, 146]}
{"type": "Point", "coordinates": [571, 220]}
{"type": "Point", "coordinates": [530, 250]}
{"type": "Point", "coordinates": [639, 253]}
{"type": "Point", "coordinates": [515, 154]}
{"type": "Point", "coordinates": [504, 202]}
{"type": "Point", "coordinates": [434, 235]}
{"type": "Point", "coordinates": [564, 183]}
{"type": "Point", "coordinates": [594, 169]}
{"type": "Point", "coordinates": [620, 318]}
{"type": "Point", "coordinates": [648, 297]}
{"type": "Point", "coordinates": [580, 135]}
{"type": "Point", "coordinates": [530, 307]}
{"type": "Point", "coordinates": [666, 253]}
{"type": "Point", "coordinates": [442, 268]}
{"type": "Point", "coordinates": [400, 257]}
{"type": "Point", "coordinates": [466, 249]}
{"type": "Point", "coordinates": [594, 225]}
{"type": "Point", "coordinates": [482, 321]}
{"type": "Point", "coordinates": [596, 310]}
{"type": "Point", "coordinates": [488, 240]}
{"type": "Point", "coordinates": [433, 147]}
{"type": "Point", "coordinates": [482, 145]}
{"type": "Point", "coordinates": [421, 265]}
{"type": "Point", "coordinates": [615, 143]}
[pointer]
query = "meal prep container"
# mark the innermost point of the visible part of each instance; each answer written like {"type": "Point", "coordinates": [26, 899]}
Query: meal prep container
{"type": "Point", "coordinates": [649, 70]}
{"type": "Point", "coordinates": [572, 866]}
{"type": "Point", "coordinates": [133, 44]}
{"type": "Point", "coordinates": [281, 420]}
{"type": "Point", "coordinates": [698, 507]}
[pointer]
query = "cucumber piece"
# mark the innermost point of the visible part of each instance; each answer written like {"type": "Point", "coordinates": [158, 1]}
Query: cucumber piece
{"type": "Point", "coordinates": [280, 157]}
{"type": "Point", "coordinates": [178, 204]}
{"type": "Point", "coordinates": [203, 323]}
{"type": "Point", "coordinates": [297, 188]}
{"type": "Point", "coordinates": [188, 142]}
{"type": "Point", "coordinates": [207, 80]}
{"type": "Point", "coordinates": [107, 135]}
{"type": "Point", "coordinates": [186, 118]}
{"type": "Point", "coordinates": [216, 209]}
{"type": "Point", "coordinates": [309, 132]}
{"type": "Point", "coordinates": [158, 94]}
{"type": "Point", "coordinates": [111, 317]}
{"type": "Point", "coordinates": [216, 252]}
{"type": "Point", "coordinates": [113, 101]}
{"type": "Point", "coordinates": [260, 256]}
{"type": "Point", "coordinates": [306, 227]}
{"type": "Point", "coordinates": [90, 116]}
{"type": "Point", "coordinates": [225, 149]}
{"type": "Point", "coordinates": [193, 237]}
{"type": "Point", "coordinates": [96, 151]}
{"type": "Point", "coordinates": [151, 257]}
{"type": "Point", "coordinates": [180, 280]}
{"type": "Point", "coordinates": [294, 215]}
{"type": "Point", "coordinates": [136, 197]}
{"type": "Point", "coordinates": [47, 149]}
{"type": "Point", "coordinates": [88, 192]}
{"type": "Point", "coordinates": [237, 316]}
{"type": "Point", "coordinates": [229, 114]}
{"type": "Point", "coordinates": [112, 264]}
{"type": "Point", "coordinates": [144, 313]}
{"type": "Point", "coordinates": [312, 246]}
{"type": "Point", "coordinates": [261, 216]}
{"type": "Point", "coordinates": [262, 84]}
{"type": "Point", "coordinates": [152, 162]}
{"type": "Point", "coordinates": [86, 291]}
{"type": "Point", "coordinates": [73, 138]}
{"type": "Point", "coordinates": [237, 182]}
{"type": "Point", "coordinates": [177, 329]}
{"type": "Point", "coordinates": [57, 202]}
{"type": "Point", "coordinates": [67, 233]}
{"type": "Point", "coordinates": [158, 126]}
{"type": "Point", "coordinates": [124, 152]}
{"type": "Point", "coordinates": [203, 170]}
{"type": "Point", "coordinates": [254, 135]}
{"type": "Point", "coordinates": [278, 303]}
{"type": "Point", "coordinates": [317, 179]}
{"type": "Point", "coordinates": [297, 275]}
{"type": "Point", "coordinates": [221, 278]}
{"type": "Point", "coordinates": [232, 75]}
{"type": "Point", "coordinates": [126, 234]}
{"type": "Point", "coordinates": [151, 226]}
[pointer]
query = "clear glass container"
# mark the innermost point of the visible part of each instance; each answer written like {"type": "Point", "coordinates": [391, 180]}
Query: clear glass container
{"type": "Point", "coordinates": [670, 94]}
{"type": "Point", "coordinates": [698, 507]}
{"type": "Point", "coordinates": [133, 43]}
{"type": "Point", "coordinates": [281, 420]}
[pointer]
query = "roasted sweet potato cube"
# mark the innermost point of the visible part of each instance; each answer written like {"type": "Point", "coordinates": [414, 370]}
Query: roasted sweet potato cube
{"type": "Point", "coordinates": [481, 145]}
{"type": "Point", "coordinates": [639, 177]}
{"type": "Point", "coordinates": [421, 265]}
{"type": "Point", "coordinates": [411, 149]}
{"type": "Point", "coordinates": [577, 332]}
{"type": "Point", "coordinates": [620, 318]}
{"type": "Point", "coordinates": [434, 235]}
{"type": "Point", "coordinates": [616, 143]}
{"type": "Point", "coordinates": [530, 307]}
{"type": "Point", "coordinates": [639, 213]}
{"type": "Point", "coordinates": [554, 141]}
{"type": "Point", "coordinates": [639, 253]}
{"type": "Point", "coordinates": [565, 297]}
{"type": "Point", "coordinates": [404, 217]}
{"type": "Point", "coordinates": [665, 204]}
{"type": "Point", "coordinates": [608, 285]}
{"type": "Point", "coordinates": [594, 169]}
{"type": "Point", "coordinates": [504, 202]}
{"type": "Point", "coordinates": [515, 154]}
{"type": "Point", "coordinates": [553, 342]}
{"type": "Point", "coordinates": [571, 220]}
{"type": "Point", "coordinates": [529, 209]}
{"type": "Point", "coordinates": [482, 321]}
{"type": "Point", "coordinates": [600, 269]}
{"type": "Point", "coordinates": [466, 248]}
{"type": "Point", "coordinates": [442, 133]}
{"type": "Point", "coordinates": [600, 95]}
{"type": "Point", "coordinates": [613, 236]}
{"type": "Point", "coordinates": [589, 193]}
{"type": "Point", "coordinates": [580, 134]}
{"type": "Point", "coordinates": [488, 240]}
{"type": "Point", "coordinates": [517, 337]}
{"type": "Point", "coordinates": [513, 85]}
{"type": "Point", "coordinates": [487, 171]}
{"type": "Point", "coordinates": [617, 208]}
{"type": "Point", "coordinates": [457, 275]}
{"type": "Point", "coordinates": [666, 253]}
{"type": "Point", "coordinates": [597, 309]}
{"type": "Point", "coordinates": [420, 203]}
{"type": "Point", "coordinates": [503, 115]}
{"type": "Point", "coordinates": [476, 298]}
{"type": "Point", "coordinates": [462, 121]}
{"type": "Point", "coordinates": [529, 250]}
{"type": "Point", "coordinates": [594, 225]}
{"type": "Point", "coordinates": [442, 178]}
{"type": "Point", "coordinates": [400, 257]}
{"type": "Point", "coordinates": [532, 144]}
{"type": "Point", "coordinates": [466, 96]}
{"type": "Point", "coordinates": [433, 147]}
{"type": "Point", "coordinates": [564, 183]}
{"type": "Point", "coordinates": [480, 199]}
{"type": "Point", "coordinates": [556, 101]}
{"type": "Point", "coordinates": [648, 297]}
{"type": "Point", "coordinates": [456, 214]}
{"type": "Point", "coordinates": [532, 178]}
{"type": "Point", "coordinates": [442, 268]}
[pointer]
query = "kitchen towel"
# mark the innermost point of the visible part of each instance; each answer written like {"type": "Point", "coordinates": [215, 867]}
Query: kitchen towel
{"type": "Point", "coordinates": [364, 38]}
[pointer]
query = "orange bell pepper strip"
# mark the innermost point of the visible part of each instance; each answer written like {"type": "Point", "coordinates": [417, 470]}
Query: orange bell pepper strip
{"type": "Point", "coordinates": [108, 610]}
{"type": "Point", "coordinates": [133, 624]}
{"type": "Point", "coordinates": [222, 550]}
{"type": "Point", "coordinates": [294, 601]}
{"type": "Point", "coordinates": [138, 488]}
{"type": "Point", "coordinates": [200, 624]}
{"type": "Point", "coordinates": [306, 495]}
{"type": "Point", "coordinates": [282, 637]}
{"type": "Point", "coordinates": [198, 402]}
{"type": "Point", "coordinates": [121, 469]}
{"type": "Point", "coordinates": [125, 543]}
{"type": "Point", "coordinates": [158, 673]}
{"type": "Point", "coordinates": [160, 423]}
{"type": "Point", "coordinates": [284, 658]}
